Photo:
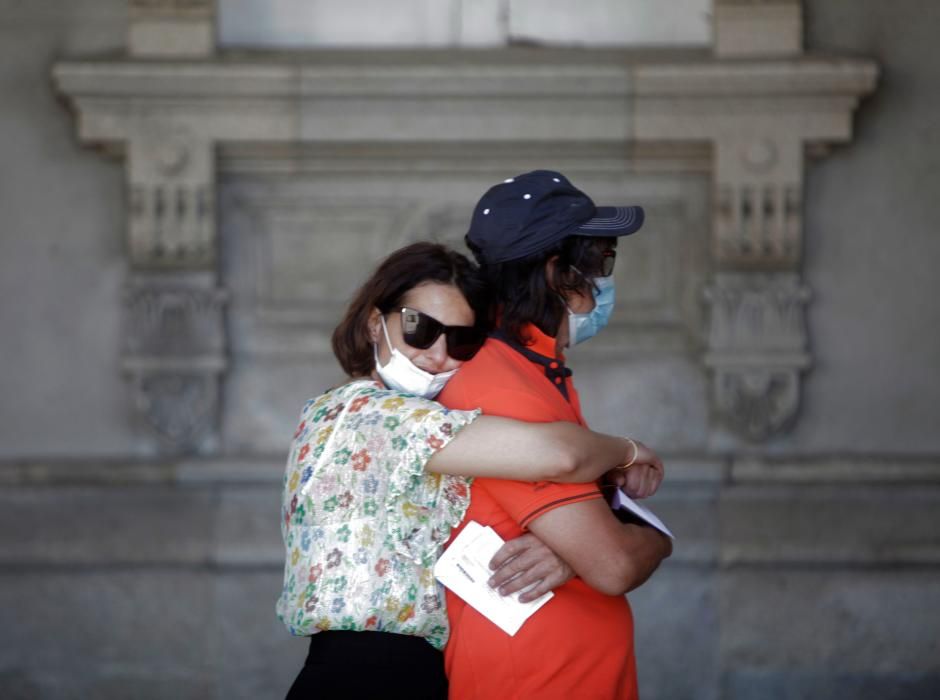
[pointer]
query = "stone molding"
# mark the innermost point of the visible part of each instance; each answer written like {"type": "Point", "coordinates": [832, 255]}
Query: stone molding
{"type": "Point", "coordinates": [686, 470]}
{"type": "Point", "coordinates": [810, 511]}
{"type": "Point", "coordinates": [758, 113]}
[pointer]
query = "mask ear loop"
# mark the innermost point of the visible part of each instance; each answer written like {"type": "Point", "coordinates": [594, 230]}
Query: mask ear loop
{"type": "Point", "coordinates": [385, 331]}
{"type": "Point", "coordinates": [583, 277]}
{"type": "Point", "coordinates": [375, 348]}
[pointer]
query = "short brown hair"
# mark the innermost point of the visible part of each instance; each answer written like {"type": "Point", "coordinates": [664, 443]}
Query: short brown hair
{"type": "Point", "coordinates": [395, 276]}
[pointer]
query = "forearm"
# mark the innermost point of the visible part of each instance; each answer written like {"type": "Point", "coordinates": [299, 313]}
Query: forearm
{"type": "Point", "coordinates": [591, 454]}
{"type": "Point", "coordinates": [644, 549]}
{"type": "Point", "coordinates": [510, 449]}
{"type": "Point", "coordinates": [610, 556]}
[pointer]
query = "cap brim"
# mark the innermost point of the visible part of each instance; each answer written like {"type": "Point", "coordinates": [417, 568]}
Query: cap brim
{"type": "Point", "coordinates": [612, 221]}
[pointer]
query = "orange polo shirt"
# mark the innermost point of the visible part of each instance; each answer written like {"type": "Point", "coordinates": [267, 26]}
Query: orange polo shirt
{"type": "Point", "coordinates": [579, 644]}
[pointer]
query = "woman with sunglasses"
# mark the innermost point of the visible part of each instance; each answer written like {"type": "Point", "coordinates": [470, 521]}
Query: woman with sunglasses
{"type": "Point", "coordinates": [379, 474]}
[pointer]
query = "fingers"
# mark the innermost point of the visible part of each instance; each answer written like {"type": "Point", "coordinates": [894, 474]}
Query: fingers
{"type": "Point", "coordinates": [646, 474]}
{"type": "Point", "coordinates": [511, 549]}
{"type": "Point", "coordinates": [532, 562]}
{"type": "Point", "coordinates": [549, 583]}
{"type": "Point", "coordinates": [525, 563]}
{"type": "Point", "coordinates": [634, 483]}
{"type": "Point", "coordinates": [642, 481]}
{"type": "Point", "coordinates": [657, 476]}
{"type": "Point", "coordinates": [539, 575]}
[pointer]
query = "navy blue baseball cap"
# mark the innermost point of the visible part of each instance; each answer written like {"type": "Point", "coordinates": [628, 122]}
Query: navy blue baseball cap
{"type": "Point", "coordinates": [529, 213]}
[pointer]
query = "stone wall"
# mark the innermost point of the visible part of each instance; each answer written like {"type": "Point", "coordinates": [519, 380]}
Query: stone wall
{"type": "Point", "coordinates": [871, 242]}
{"type": "Point", "coordinates": [61, 254]}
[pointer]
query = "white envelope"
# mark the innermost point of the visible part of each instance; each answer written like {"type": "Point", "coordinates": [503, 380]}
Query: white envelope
{"type": "Point", "coordinates": [464, 569]}
{"type": "Point", "coordinates": [622, 501]}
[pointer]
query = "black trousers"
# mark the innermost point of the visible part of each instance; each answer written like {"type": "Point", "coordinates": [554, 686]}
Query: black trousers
{"type": "Point", "coordinates": [370, 665]}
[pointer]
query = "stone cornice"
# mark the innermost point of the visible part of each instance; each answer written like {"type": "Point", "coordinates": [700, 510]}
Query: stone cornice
{"type": "Point", "coordinates": [618, 96]}
{"type": "Point", "coordinates": [840, 512]}
{"type": "Point", "coordinates": [804, 76]}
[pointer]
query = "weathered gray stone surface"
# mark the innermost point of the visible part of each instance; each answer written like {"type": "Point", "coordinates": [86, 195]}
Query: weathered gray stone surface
{"type": "Point", "coordinates": [61, 257]}
{"type": "Point", "coordinates": [253, 655]}
{"type": "Point", "coordinates": [678, 619]}
{"type": "Point", "coordinates": [101, 525]}
{"type": "Point", "coordinates": [871, 244]}
{"type": "Point", "coordinates": [110, 633]}
{"type": "Point", "coordinates": [835, 633]}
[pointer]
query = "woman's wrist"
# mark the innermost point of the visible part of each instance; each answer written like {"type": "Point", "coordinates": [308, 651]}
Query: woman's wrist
{"type": "Point", "coordinates": [633, 451]}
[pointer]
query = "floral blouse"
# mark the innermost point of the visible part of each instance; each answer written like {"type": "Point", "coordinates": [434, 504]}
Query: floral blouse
{"type": "Point", "coordinates": [361, 520]}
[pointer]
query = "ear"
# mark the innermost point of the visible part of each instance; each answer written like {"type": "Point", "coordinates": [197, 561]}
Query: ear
{"type": "Point", "coordinates": [375, 325]}
{"type": "Point", "coordinates": [551, 272]}
{"type": "Point", "coordinates": [557, 279]}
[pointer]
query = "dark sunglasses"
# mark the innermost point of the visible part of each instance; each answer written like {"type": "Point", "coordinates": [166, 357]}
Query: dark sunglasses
{"type": "Point", "coordinates": [421, 331]}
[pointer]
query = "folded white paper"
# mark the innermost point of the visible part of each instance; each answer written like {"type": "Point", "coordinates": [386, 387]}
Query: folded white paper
{"type": "Point", "coordinates": [622, 501]}
{"type": "Point", "coordinates": [464, 569]}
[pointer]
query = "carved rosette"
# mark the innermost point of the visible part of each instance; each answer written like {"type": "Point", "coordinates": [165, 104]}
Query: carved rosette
{"type": "Point", "coordinates": [174, 354]}
{"type": "Point", "coordinates": [757, 349]}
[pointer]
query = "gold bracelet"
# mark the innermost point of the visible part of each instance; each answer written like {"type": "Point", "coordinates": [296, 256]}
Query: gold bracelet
{"type": "Point", "coordinates": [636, 453]}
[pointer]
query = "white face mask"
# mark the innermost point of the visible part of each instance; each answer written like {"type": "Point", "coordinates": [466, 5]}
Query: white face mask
{"type": "Point", "coordinates": [402, 374]}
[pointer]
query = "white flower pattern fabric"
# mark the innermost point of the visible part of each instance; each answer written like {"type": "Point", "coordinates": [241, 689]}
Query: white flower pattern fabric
{"type": "Point", "coordinates": [362, 522]}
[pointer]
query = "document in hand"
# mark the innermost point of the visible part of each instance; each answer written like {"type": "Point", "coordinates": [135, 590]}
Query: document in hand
{"type": "Point", "coordinates": [464, 569]}
{"type": "Point", "coordinates": [621, 501]}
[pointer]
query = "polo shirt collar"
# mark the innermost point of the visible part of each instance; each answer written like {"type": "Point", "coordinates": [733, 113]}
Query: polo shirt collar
{"type": "Point", "coordinates": [541, 343]}
{"type": "Point", "coordinates": [541, 351]}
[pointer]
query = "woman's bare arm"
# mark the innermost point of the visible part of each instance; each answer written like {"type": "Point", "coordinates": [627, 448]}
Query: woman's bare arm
{"type": "Point", "coordinates": [503, 448]}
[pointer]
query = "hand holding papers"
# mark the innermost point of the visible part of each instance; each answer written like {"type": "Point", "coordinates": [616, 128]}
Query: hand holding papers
{"type": "Point", "coordinates": [621, 501]}
{"type": "Point", "coordinates": [464, 569]}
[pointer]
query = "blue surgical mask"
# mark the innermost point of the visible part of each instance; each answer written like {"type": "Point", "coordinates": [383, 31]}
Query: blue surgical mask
{"type": "Point", "coordinates": [584, 326]}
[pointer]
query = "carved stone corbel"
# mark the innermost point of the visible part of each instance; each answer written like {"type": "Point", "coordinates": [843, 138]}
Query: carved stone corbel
{"type": "Point", "coordinates": [171, 203]}
{"type": "Point", "coordinates": [757, 219]}
{"type": "Point", "coordinates": [175, 340]}
{"type": "Point", "coordinates": [757, 349]}
{"type": "Point", "coordinates": [756, 340]}
{"type": "Point", "coordinates": [757, 336]}
{"type": "Point", "coordinates": [174, 353]}
{"type": "Point", "coordinates": [175, 345]}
